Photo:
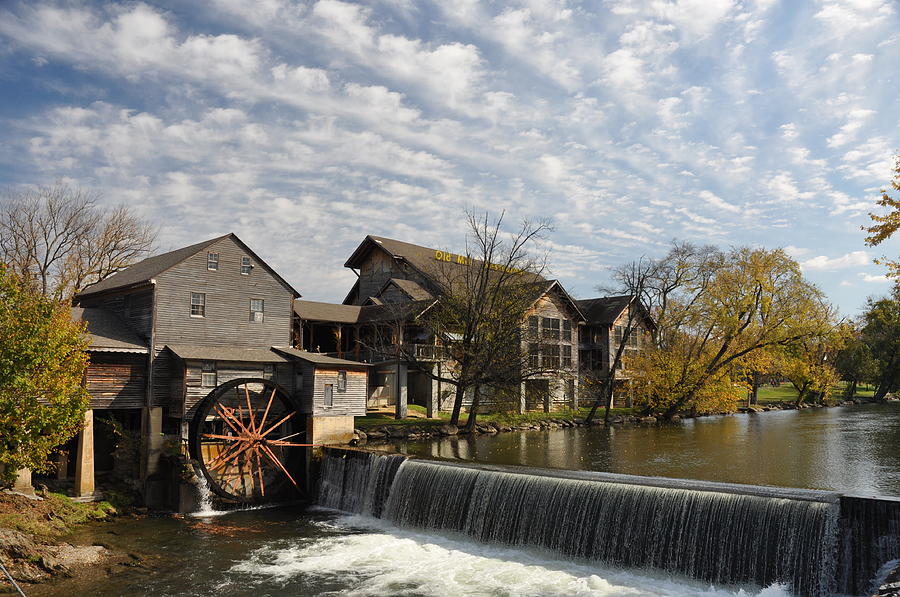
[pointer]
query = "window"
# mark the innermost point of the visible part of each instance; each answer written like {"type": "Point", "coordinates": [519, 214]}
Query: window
{"type": "Point", "coordinates": [208, 375]}
{"type": "Point", "coordinates": [550, 356]}
{"type": "Point", "coordinates": [567, 330]}
{"type": "Point", "coordinates": [198, 304]}
{"type": "Point", "coordinates": [550, 327]}
{"type": "Point", "coordinates": [269, 371]}
{"type": "Point", "coordinates": [246, 266]}
{"type": "Point", "coordinates": [534, 356]}
{"type": "Point", "coordinates": [257, 309]}
{"type": "Point", "coordinates": [329, 394]}
{"type": "Point", "coordinates": [212, 262]}
{"type": "Point", "coordinates": [566, 355]}
{"type": "Point", "coordinates": [533, 326]}
{"type": "Point", "coordinates": [342, 381]}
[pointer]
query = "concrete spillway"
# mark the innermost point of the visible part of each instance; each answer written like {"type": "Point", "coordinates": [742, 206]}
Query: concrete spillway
{"type": "Point", "coordinates": [817, 543]}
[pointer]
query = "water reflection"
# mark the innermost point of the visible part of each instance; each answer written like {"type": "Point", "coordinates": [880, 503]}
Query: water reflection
{"type": "Point", "coordinates": [853, 449]}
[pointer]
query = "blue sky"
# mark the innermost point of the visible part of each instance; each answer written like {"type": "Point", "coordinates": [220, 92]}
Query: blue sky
{"type": "Point", "coordinates": [302, 127]}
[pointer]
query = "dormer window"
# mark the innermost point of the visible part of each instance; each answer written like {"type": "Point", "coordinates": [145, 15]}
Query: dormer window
{"type": "Point", "coordinates": [212, 262]}
{"type": "Point", "coordinates": [257, 310]}
{"type": "Point", "coordinates": [246, 266]}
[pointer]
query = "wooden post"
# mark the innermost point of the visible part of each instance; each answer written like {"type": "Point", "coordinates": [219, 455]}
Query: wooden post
{"type": "Point", "coordinates": [400, 390]}
{"type": "Point", "coordinates": [84, 463]}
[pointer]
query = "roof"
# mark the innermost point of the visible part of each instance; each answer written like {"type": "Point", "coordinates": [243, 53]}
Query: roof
{"type": "Point", "coordinates": [350, 314]}
{"type": "Point", "coordinates": [316, 311]}
{"type": "Point", "coordinates": [107, 332]}
{"type": "Point", "coordinates": [409, 288]}
{"type": "Point", "coordinates": [226, 353]}
{"type": "Point", "coordinates": [319, 359]}
{"type": "Point", "coordinates": [543, 287]}
{"type": "Point", "coordinates": [144, 271]}
{"type": "Point", "coordinates": [607, 309]}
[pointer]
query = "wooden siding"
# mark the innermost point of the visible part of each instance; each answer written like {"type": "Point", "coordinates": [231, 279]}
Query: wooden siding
{"type": "Point", "coordinates": [380, 267]}
{"type": "Point", "coordinates": [116, 380]}
{"type": "Point", "coordinates": [194, 391]}
{"type": "Point", "coordinates": [136, 308]}
{"type": "Point", "coordinates": [228, 293]}
{"type": "Point", "coordinates": [350, 402]}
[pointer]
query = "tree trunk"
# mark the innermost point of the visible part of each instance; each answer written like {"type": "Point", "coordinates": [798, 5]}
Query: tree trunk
{"type": "Point", "coordinates": [610, 391]}
{"type": "Point", "coordinates": [473, 410]}
{"type": "Point", "coordinates": [850, 392]}
{"type": "Point", "coordinates": [457, 404]}
{"type": "Point", "coordinates": [754, 389]}
{"type": "Point", "coordinates": [597, 402]}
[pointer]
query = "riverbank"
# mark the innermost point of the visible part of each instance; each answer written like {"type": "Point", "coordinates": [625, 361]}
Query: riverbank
{"type": "Point", "coordinates": [33, 532]}
{"type": "Point", "coordinates": [380, 428]}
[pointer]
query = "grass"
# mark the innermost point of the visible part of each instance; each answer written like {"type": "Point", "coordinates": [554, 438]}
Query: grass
{"type": "Point", "coordinates": [510, 419]}
{"type": "Point", "coordinates": [56, 514]}
{"type": "Point", "coordinates": [786, 392]}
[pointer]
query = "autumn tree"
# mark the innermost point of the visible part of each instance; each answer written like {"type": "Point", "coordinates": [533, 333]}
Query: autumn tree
{"type": "Point", "coordinates": [809, 365]}
{"type": "Point", "coordinates": [478, 315]}
{"type": "Point", "coordinates": [720, 308]}
{"type": "Point", "coordinates": [60, 240]}
{"type": "Point", "coordinates": [42, 362]}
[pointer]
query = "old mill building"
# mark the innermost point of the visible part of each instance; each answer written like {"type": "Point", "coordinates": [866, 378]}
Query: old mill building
{"type": "Point", "coordinates": [178, 339]}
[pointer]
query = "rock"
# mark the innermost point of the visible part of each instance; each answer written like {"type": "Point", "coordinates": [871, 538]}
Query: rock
{"type": "Point", "coordinates": [448, 429]}
{"type": "Point", "coordinates": [398, 433]}
{"type": "Point", "coordinates": [675, 418]}
{"type": "Point", "coordinates": [362, 435]}
{"type": "Point", "coordinates": [648, 420]}
{"type": "Point", "coordinates": [375, 434]}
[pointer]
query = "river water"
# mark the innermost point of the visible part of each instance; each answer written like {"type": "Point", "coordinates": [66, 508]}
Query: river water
{"type": "Point", "coordinates": [296, 551]}
{"type": "Point", "coordinates": [848, 449]}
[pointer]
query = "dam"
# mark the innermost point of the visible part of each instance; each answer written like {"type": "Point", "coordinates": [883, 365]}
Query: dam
{"type": "Point", "coordinates": [815, 543]}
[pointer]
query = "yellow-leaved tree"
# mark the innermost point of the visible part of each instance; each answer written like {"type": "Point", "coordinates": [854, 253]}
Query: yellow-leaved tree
{"type": "Point", "coordinates": [885, 225]}
{"type": "Point", "coordinates": [42, 361]}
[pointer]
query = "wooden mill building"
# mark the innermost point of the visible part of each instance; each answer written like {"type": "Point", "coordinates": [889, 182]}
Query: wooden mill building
{"type": "Point", "coordinates": [166, 332]}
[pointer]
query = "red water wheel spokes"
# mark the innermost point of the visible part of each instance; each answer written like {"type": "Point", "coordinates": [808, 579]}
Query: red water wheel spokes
{"type": "Point", "coordinates": [244, 439]}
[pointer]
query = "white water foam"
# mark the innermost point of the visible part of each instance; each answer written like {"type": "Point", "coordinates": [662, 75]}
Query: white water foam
{"type": "Point", "coordinates": [386, 560]}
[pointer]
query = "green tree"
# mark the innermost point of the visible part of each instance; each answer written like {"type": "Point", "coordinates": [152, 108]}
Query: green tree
{"type": "Point", "coordinates": [42, 362]}
{"type": "Point", "coordinates": [881, 333]}
{"type": "Point", "coordinates": [855, 363]}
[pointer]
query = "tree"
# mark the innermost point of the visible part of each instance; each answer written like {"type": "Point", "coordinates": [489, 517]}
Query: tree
{"type": "Point", "coordinates": [633, 279]}
{"type": "Point", "coordinates": [806, 365]}
{"type": "Point", "coordinates": [718, 310]}
{"type": "Point", "coordinates": [854, 363]}
{"type": "Point", "coordinates": [478, 315]}
{"type": "Point", "coordinates": [881, 333]}
{"type": "Point", "coordinates": [58, 239]}
{"type": "Point", "coordinates": [885, 225]}
{"type": "Point", "coordinates": [42, 362]}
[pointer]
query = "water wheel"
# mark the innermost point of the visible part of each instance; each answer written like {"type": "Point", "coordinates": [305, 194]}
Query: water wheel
{"type": "Point", "coordinates": [244, 437]}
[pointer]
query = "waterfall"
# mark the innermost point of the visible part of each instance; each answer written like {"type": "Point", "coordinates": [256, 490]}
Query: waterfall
{"type": "Point", "coordinates": [356, 481]}
{"type": "Point", "coordinates": [816, 542]}
{"type": "Point", "coordinates": [204, 497]}
{"type": "Point", "coordinates": [723, 538]}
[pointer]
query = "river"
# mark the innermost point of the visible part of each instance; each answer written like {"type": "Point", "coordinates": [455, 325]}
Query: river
{"type": "Point", "coordinates": [848, 449]}
{"type": "Point", "coordinates": [312, 551]}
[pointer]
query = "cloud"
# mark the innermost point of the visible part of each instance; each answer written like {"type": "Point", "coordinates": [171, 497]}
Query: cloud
{"type": "Point", "coordinates": [824, 263]}
{"type": "Point", "coordinates": [717, 202]}
{"type": "Point", "coordinates": [876, 279]}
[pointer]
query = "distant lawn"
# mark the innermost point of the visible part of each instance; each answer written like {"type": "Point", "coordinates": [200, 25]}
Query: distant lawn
{"type": "Point", "coordinates": [786, 392]}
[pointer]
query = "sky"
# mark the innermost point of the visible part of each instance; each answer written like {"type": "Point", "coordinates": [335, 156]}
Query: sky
{"type": "Point", "coordinates": [304, 126]}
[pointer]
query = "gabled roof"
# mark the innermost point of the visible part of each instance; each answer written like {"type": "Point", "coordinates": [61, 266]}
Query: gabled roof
{"type": "Point", "coordinates": [144, 271]}
{"type": "Point", "coordinates": [319, 359]}
{"type": "Point", "coordinates": [408, 287]}
{"type": "Point", "coordinates": [226, 353]}
{"type": "Point", "coordinates": [542, 288]}
{"type": "Point", "coordinates": [316, 311]}
{"type": "Point", "coordinates": [107, 332]}
{"type": "Point", "coordinates": [605, 310]}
